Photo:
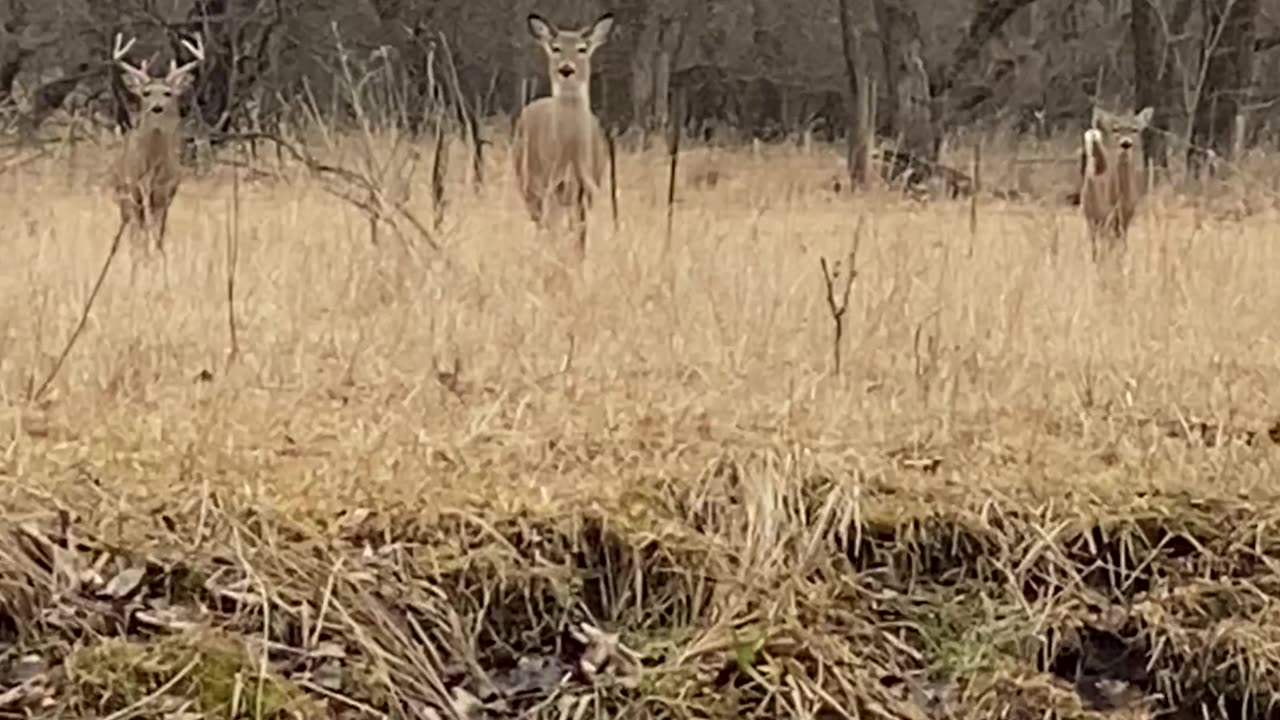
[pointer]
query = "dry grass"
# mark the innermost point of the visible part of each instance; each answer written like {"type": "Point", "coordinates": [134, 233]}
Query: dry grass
{"type": "Point", "coordinates": [1038, 489]}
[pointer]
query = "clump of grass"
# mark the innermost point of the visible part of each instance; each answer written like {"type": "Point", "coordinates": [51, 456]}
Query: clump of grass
{"type": "Point", "coordinates": [204, 672]}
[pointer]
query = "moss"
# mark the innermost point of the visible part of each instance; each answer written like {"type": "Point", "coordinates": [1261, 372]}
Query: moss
{"type": "Point", "coordinates": [972, 633]}
{"type": "Point", "coordinates": [117, 673]}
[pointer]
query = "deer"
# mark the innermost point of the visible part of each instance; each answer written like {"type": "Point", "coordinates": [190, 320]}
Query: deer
{"type": "Point", "coordinates": [559, 147]}
{"type": "Point", "coordinates": [1109, 190]}
{"type": "Point", "coordinates": [147, 173]}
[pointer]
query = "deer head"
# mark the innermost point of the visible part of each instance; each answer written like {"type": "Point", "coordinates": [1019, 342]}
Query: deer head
{"type": "Point", "coordinates": [158, 97]}
{"type": "Point", "coordinates": [1121, 129]}
{"type": "Point", "coordinates": [569, 52]}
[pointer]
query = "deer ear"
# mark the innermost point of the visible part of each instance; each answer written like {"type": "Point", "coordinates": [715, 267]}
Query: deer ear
{"type": "Point", "coordinates": [540, 29]}
{"type": "Point", "coordinates": [598, 33]}
{"type": "Point", "coordinates": [1100, 118]}
{"type": "Point", "coordinates": [1144, 116]}
{"type": "Point", "coordinates": [132, 83]}
{"type": "Point", "coordinates": [182, 83]}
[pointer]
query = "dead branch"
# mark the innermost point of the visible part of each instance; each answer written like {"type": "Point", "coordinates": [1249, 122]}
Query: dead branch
{"type": "Point", "coordinates": [84, 316]}
{"type": "Point", "coordinates": [466, 117]}
{"type": "Point", "coordinates": [233, 255]}
{"type": "Point", "coordinates": [973, 198]}
{"type": "Point", "coordinates": [439, 169]}
{"type": "Point", "coordinates": [673, 151]}
{"type": "Point", "coordinates": [352, 184]}
{"type": "Point", "coordinates": [611, 143]}
{"type": "Point", "coordinates": [833, 275]}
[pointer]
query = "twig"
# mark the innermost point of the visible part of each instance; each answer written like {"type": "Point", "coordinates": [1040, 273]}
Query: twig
{"type": "Point", "coordinates": [439, 169]}
{"type": "Point", "coordinates": [831, 275]}
{"type": "Point", "coordinates": [84, 315]}
{"type": "Point", "coordinates": [466, 118]}
{"type": "Point", "coordinates": [233, 255]}
{"type": "Point", "coordinates": [673, 149]}
{"type": "Point", "coordinates": [973, 198]}
{"type": "Point", "coordinates": [610, 142]}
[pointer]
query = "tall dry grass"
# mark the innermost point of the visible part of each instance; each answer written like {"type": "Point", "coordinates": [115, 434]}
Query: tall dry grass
{"type": "Point", "coordinates": [499, 380]}
{"type": "Point", "coordinates": [943, 326]}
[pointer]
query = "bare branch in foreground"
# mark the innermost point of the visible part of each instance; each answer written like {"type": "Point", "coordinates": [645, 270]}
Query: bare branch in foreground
{"type": "Point", "coordinates": [84, 316]}
{"type": "Point", "coordinates": [832, 276]}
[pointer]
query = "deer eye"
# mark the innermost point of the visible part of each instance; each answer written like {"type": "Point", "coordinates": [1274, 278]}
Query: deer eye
{"type": "Point", "coordinates": [555, 49]}
{"type": "Point", "coordinates": [582, 48]}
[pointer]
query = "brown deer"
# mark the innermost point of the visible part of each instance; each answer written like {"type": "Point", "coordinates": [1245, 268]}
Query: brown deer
{"type": "Point", "coordinates": [559, 147]}
{"type": "Point", "coordinates": [1109, 191]}
{"type": "Point", "coordinates": [147, 173]}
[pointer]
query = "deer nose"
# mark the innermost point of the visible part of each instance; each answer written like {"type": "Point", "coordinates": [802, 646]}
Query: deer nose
{"type": "Point", "coordinates": [1126, 143]}
{"type": "Point", "coordinates": [566, 71]}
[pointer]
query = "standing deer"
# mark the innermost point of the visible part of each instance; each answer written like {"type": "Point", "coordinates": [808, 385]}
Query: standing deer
{"type": "Point", "coordinates": [147, 173]}
{"type": "Point", "coordinates": [1109, 193]}
{"type": "Point", "coordinates": [559, 147]}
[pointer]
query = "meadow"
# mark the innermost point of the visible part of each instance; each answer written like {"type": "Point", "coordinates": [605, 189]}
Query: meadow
{"type": "Point", "coordinates": [487, 481]}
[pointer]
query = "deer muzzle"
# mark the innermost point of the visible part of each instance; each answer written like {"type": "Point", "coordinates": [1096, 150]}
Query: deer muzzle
{"type": "Point", "coordinates": [566, 71]}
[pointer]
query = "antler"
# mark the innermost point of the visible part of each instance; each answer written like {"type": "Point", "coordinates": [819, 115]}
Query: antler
{"type": "Point", "coordinates": [118, 53]}
{"type": "Point", "coordinates": [197, 51]}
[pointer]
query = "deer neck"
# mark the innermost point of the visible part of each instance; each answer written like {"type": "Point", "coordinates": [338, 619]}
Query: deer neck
{"type": "Point", "coordinates": [163, 124]}
{"type": "Point", "coordinates": [153, 147]}
{"type": "Point", "coordinates": [573, 118]}
{"type": "Point", "coordinates": [572, 97]}
{"type": "Point", "coordinates": [1124, 175]}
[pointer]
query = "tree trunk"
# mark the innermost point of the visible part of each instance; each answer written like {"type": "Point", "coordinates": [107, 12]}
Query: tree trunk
{"type": "Point", "coordinates": [889, 44]}
{"type": "Point", "coordinates": [214, 94]}
{"type": "Point", "coordinates": [614, 83]}
{"type": "Point", "coordinates": [1149, 85]}
{"type": "Point", "coordinates": [858, 150]}
{"type": "Point", "coordinates": [1228, 68]}
{"type": "Point", "coordinates": [988, 19]}
{"type": "Point", "coordinates": [10, 66]}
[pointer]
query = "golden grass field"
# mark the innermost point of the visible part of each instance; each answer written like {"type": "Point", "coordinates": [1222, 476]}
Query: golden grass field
{"type": "Point", "coordinates": [1037, 488]}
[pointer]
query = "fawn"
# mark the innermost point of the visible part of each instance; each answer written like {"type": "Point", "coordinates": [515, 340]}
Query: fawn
{"type": "Point", "coordinates": [559, 147]}
{"type": "Point", "coordinates": [1109, 190]}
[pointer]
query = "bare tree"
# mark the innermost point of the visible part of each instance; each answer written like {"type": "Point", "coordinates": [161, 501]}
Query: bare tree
{"type": "Point", "coordinates": [858, 152]}
{"type": "Point", "coordinates": [1148, 79]}
{"type": "Point", "coordinates": [1227, 72]}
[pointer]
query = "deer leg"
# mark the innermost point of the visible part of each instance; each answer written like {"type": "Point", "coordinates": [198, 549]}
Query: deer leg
{"type": "Point", "coordinates": [147, 223]}
{"type": "Point", "coordinates": [134, 229]}
{"type": "Point", "coordinates": [535, 201]}
{"type": "Point", "coordinates": [1117, 232]}
{"type": "Point", "coordinates": [164, 223]}
{"type": "Point", "coordinates": [581, 203]}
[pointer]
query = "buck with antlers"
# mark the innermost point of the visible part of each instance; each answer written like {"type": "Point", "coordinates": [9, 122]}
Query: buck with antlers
{"type": "Point", "coordinates": [147, 174]}
{"type": "Point", "coordinates": [559, 147]}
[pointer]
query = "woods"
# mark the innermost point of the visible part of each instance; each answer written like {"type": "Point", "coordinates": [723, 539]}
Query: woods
{"type": "Point", "coordinates": [749, 69]}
